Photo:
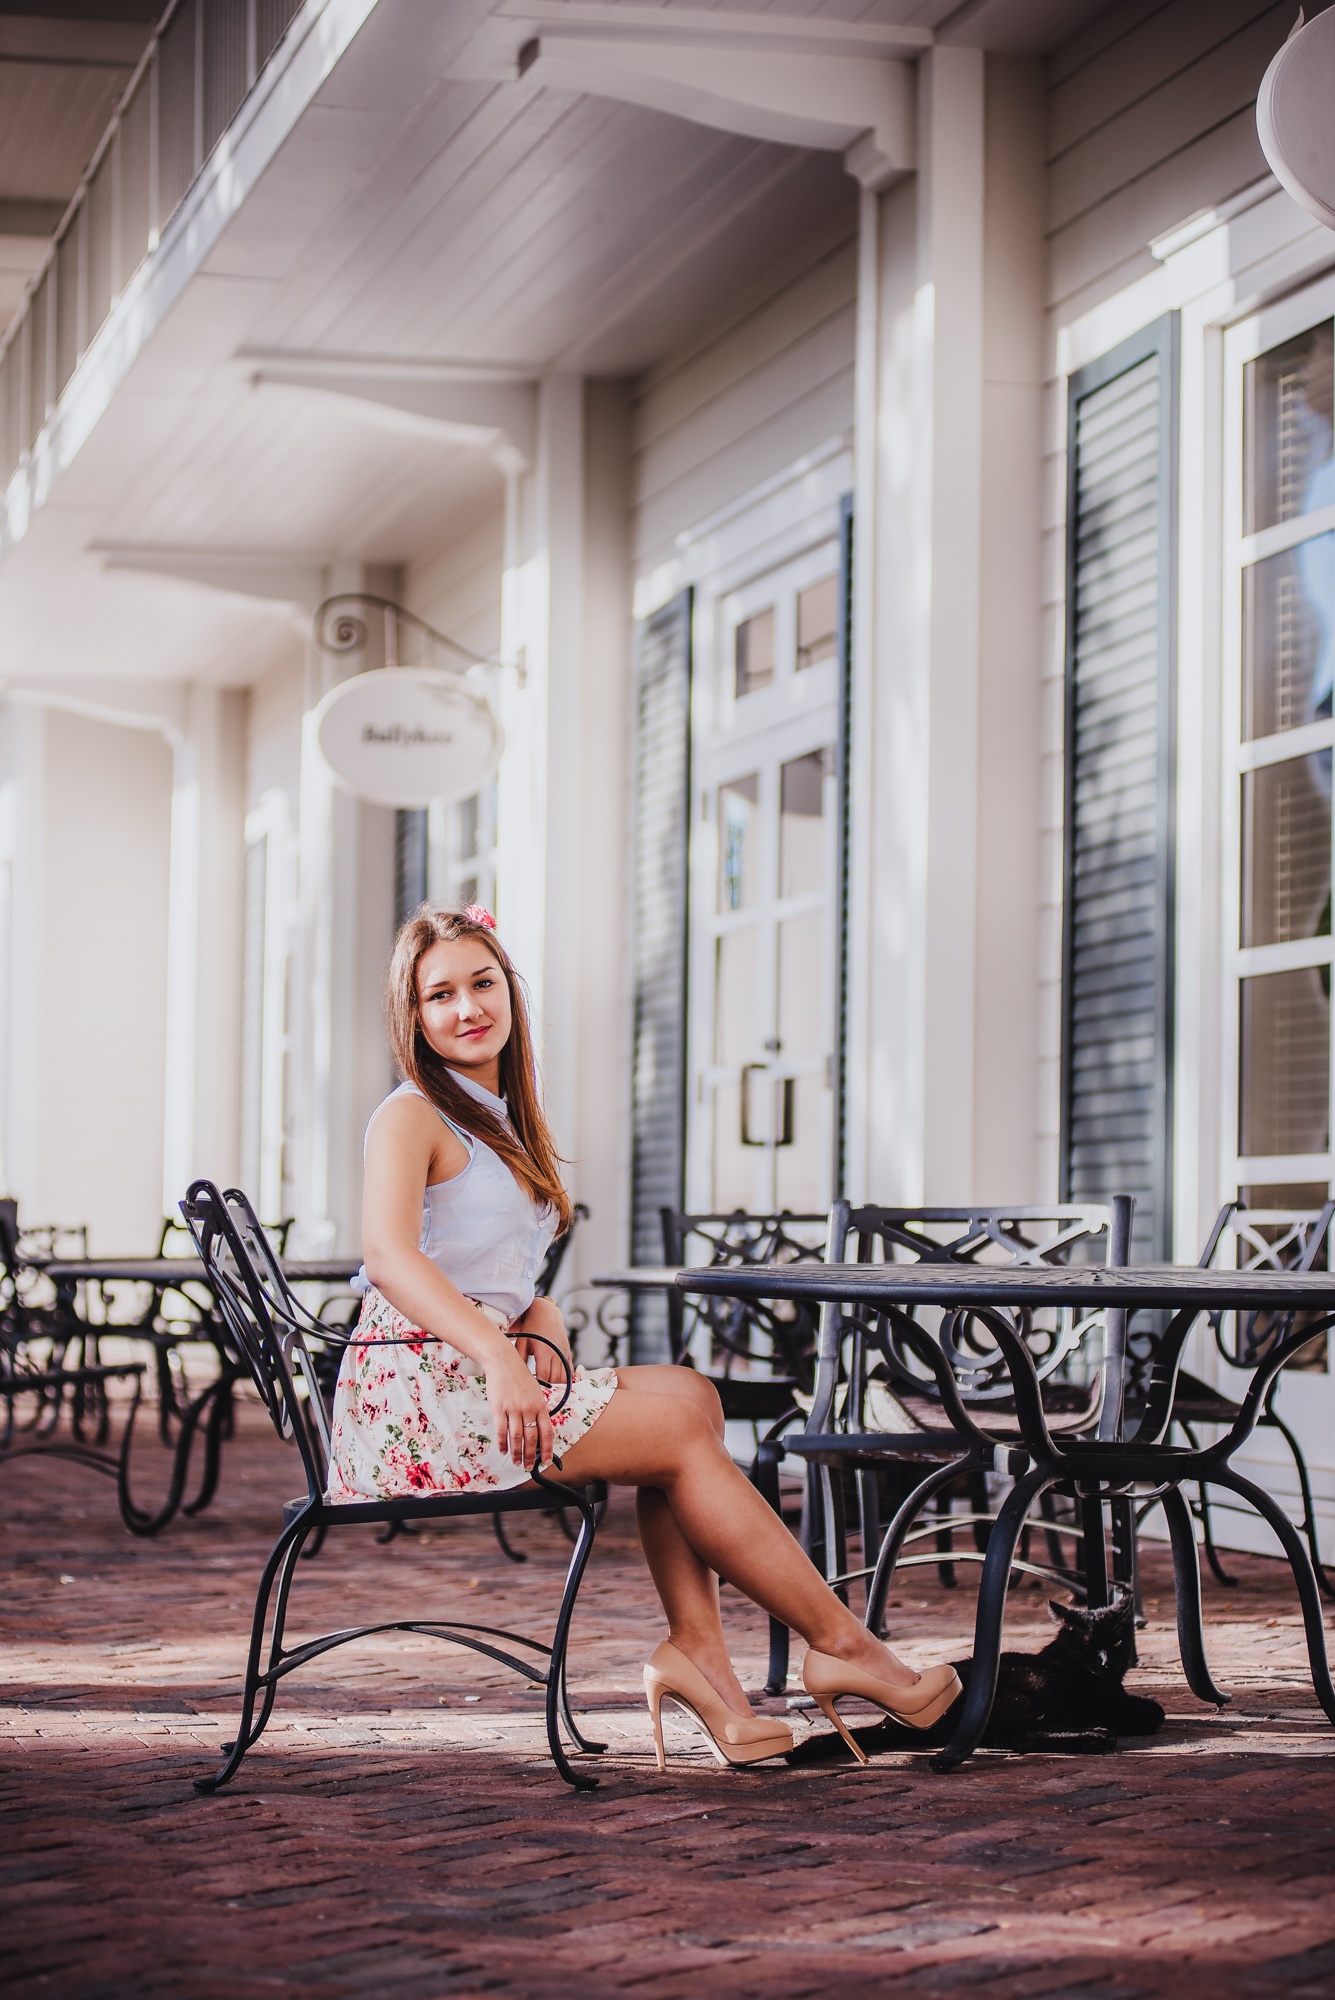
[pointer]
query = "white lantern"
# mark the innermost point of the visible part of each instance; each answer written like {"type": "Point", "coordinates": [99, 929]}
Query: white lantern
{"type": "Point", "coordinates": [1295, 116]}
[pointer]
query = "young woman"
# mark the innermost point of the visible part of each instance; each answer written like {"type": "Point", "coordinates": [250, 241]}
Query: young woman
{"type": "Point", "coordinates": [463, 1196]}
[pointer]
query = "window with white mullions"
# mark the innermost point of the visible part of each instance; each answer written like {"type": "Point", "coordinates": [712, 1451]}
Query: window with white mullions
{"type": "Point", "coordinates": [1279, 740]}
{"type": "Point", "coordinates": [762, 911]}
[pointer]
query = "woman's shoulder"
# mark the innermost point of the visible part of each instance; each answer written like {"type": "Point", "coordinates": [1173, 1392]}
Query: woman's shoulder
{"type": "Point", "coordinates": [406, 1110]}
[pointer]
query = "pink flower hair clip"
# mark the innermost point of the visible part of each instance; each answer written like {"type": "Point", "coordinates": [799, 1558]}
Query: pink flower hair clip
{"type": "Point", "coordinates": [477, 915]}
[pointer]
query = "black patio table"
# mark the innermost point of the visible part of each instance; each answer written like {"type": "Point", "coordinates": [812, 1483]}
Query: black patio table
{"type": "Point", "coordinates": [1109, 1466]}
{"type": "Point", "coordinates": [207, 1414]}
{"type": "Point", "coordinates": [182, 1270]}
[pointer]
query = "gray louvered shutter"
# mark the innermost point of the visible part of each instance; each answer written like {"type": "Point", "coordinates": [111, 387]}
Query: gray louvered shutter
{"type": "Point", "coordinates": [1118, 919]}
{"type": "Point", "coordinates": [662, 817]}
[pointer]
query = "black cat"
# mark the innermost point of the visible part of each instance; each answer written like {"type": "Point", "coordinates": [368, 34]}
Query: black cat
{"type": "Point", "coordinates": [1067, 1698]}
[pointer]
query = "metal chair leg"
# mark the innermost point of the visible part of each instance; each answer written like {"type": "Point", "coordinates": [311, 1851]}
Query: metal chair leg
{"type": "Point", "coordinates": [556, 1696]}
{"type": "Point", "coordinates": [1187, 1586]}
{"type": "Point", "coordinates": [291, 1538]}
{"type": "Point", "coordinates": [893, 1541]}
{"type": "Point", "coordinates": [972, 1725]}
{"type": "Point", "coordinates": [515, 1555]}
{"type": "Point", "coordinates": [945, 1570]}
{"type": "Point", "coordinates": [1295, 1548]}
{"type": "Point", "coordinates": [765, 1479]}
{"type": "Point", "coordinates": [1093, 1555]}
{"type": "Point", "coordinates": [1272, 1417]}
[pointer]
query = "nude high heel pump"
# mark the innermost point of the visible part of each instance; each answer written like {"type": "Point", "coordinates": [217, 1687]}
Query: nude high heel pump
{"type": "Point", "coordinates": [734, 1739]}
{"type": "Point", "coordinates": [828, 1680]}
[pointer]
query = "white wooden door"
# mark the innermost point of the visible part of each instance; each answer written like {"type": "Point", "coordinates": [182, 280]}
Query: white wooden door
{"type": "Point", "coordinates": [763, 943]}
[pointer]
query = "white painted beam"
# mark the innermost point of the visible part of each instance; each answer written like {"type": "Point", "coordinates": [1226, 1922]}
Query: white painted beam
{"type": "Point", "coordinates": [835, 103]}
{"type": "Point", "coordinates": [499, 417]}
{"type": "Point", "coordinates": [295, 582]}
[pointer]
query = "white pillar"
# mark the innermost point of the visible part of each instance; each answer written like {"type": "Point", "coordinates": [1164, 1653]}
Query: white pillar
{"type": "Point", "coordinates": [537, 878]}
{"type": "Point", "coordinates": [918, 612]}
{"type": "Point", "coordinates": [563, 791]}
{"type": "Point", "coordinates": [341, 1066]}
{"type": "Point", "coordinates": [24, 944]}
{"type": "Point", "coordinates": [201, 1124]}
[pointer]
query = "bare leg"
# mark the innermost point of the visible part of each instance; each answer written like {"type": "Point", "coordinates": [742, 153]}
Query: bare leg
{"type": "Point", "coordinates": [645, 1440]}
{"type": "Point", "coordinates": [687, 1587]}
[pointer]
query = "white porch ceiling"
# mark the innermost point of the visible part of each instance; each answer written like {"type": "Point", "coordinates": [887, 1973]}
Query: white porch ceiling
{"type": "Point", "coordinates": [416, 227]}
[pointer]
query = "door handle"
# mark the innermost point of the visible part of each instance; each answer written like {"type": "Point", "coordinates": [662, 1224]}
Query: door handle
{"type": "Point", "coordinates": [748, 1069]}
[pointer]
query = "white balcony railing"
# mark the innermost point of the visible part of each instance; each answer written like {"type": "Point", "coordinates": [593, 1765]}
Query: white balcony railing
{"type": "Point", "coordinates": [201, 64]}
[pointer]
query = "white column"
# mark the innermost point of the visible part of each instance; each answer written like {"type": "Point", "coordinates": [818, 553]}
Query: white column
{"type": "Point", "coordinates": [918, 610]}
{"type": "Point", "coordinates": [201, 1129]}
{"type": "Point", "coordinates": [563, 787]}
{"type": "Point", "coordinates": [537, 884]}
{"type": "Point", "coordinates": [24, 943]}
{"type": "Point", "coordinates": [340, 1060]}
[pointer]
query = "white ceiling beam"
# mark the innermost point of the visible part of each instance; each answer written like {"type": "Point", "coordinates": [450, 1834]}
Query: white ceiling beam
{"type": "Point", "coordinates": [294, 581]}
{"type": "Point", "coordinates": [788, 34]}
{"type": "Point", "coordinates": [447, 404]}
{"type": "Point", "coordinates": [835, 86]}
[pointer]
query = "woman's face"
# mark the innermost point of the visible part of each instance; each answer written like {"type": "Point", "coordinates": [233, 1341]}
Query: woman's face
{"type": "Point", "coordinates": [464, 1003]}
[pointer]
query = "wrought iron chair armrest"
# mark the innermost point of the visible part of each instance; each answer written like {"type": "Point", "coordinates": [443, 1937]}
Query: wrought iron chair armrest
{"type": "Point", "coordinates": [542, 1340]}
{"type": "Point", "coordinates": [1029, 1412]}
{"type": "Point", "coordinates": [1257, 1389]}
{"type": "Point", "coordinates": [930, 1355]}
{"type": "Point", "coordinates": [1163, 1376]}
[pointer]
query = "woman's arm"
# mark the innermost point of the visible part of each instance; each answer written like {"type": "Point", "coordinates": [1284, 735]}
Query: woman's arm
{"type": "Point", "coordinates": [544, 1318]}
{"type": "Point", "coordinates": [407, 1147]}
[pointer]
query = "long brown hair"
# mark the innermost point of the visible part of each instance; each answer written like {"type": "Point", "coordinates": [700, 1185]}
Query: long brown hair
{"type": "Point", "coordinates": [525, 1144]}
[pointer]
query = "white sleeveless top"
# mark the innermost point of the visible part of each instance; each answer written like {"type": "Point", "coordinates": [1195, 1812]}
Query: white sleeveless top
{"type": "Point", "coordinates": [481, 1229]}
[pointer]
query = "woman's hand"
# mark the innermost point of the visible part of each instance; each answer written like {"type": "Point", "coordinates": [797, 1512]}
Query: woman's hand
{"type": "Point", "coordinates": [519, 1410]}
{"type": "Point", "coordinates": [544, 1318]}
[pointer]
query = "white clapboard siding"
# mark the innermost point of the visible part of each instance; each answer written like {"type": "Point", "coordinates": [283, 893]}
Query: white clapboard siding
{"type": "Point", "coordinates": [1151, 116]}
{"type": "Point", "coordinates": [772, 382]}
{"type": "Point", "coordinates": [659, 862]}
{"type": "Point", "coordinates": [1117, 959]}
{"type": "Point", "coordinates": [458, 588]}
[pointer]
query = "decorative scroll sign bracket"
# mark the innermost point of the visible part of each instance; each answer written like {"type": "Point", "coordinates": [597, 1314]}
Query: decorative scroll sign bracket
{"type": "Point", "coordinates": [403, 735]}
{"type": "Point", "coordinates": [1295, 116]}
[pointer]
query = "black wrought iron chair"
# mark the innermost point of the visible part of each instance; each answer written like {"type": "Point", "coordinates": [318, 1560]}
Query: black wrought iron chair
{"type": "Point", "coordinates": [775, 1342]}
{"type": "Point", "coordinates": [892, 1391]}
{"type": "Point", "coordinates": [1264, 1239]}
{"type": "Point", "coordinates": [271, 1330]}
{"type": "Point", "coordinates": [47, 1355]}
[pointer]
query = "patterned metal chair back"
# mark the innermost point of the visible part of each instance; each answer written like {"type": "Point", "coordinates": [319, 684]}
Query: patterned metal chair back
{"type": "Point", "coordinates": [780, 1333]}
{"type": "Point", "coordinates": [268, 1326]}
{"type": "Point", "coordinates": [1058, 1233]}
{"type": "Point", "coordinates": [1265, 1239]}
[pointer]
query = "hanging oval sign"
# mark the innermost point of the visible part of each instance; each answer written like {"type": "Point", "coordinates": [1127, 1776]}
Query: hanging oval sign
{"type": "Point", "coordinates": [1294, 117]}
{"type": "Point", "coordinates": [404, 736]}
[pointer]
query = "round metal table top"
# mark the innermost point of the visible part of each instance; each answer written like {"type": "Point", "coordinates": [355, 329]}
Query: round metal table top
{"type": "Point", "coordinates": [1145, 1287]}
{"type": "Point", "coordinates": [187, 1270]}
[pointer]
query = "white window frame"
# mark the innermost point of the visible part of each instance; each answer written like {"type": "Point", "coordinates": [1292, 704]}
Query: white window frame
{"type": "Point", "coordinates": [1243, 342]}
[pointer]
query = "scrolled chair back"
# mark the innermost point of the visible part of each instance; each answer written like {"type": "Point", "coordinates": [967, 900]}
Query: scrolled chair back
{"type": "Point", "coordinates": [1051, 1234]}
{"type": "Point", "coordinates": [268, 1324]}
{"type": "Point", "coordinates": [1266, 1239]}
{"type": "Point", "coordinates": [781, 1331]}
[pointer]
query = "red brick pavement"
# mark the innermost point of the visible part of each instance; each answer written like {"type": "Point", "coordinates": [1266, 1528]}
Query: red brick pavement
{"type": "Point", "coordinates": [399, 1831]}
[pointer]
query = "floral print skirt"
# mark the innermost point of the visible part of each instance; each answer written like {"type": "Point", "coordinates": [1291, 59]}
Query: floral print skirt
{"type": "Point", "coordinates": [415, 1418]}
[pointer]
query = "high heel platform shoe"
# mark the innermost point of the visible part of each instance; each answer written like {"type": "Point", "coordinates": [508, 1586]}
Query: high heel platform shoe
{"type": "Point", "coordinates": [828, 1680]}
{"type": "Point", "coordinates": [734, 1739]}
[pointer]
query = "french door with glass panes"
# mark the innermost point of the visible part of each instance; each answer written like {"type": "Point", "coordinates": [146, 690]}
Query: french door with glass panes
{"type": "Point", "coordinates": [763, 949]}
{"type": "Point", "coordinates": [1279, 734]}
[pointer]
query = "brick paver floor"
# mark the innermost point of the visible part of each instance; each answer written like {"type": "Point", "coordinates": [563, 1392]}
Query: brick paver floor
{"type": "Point", "coordinates": [399, 1830]}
